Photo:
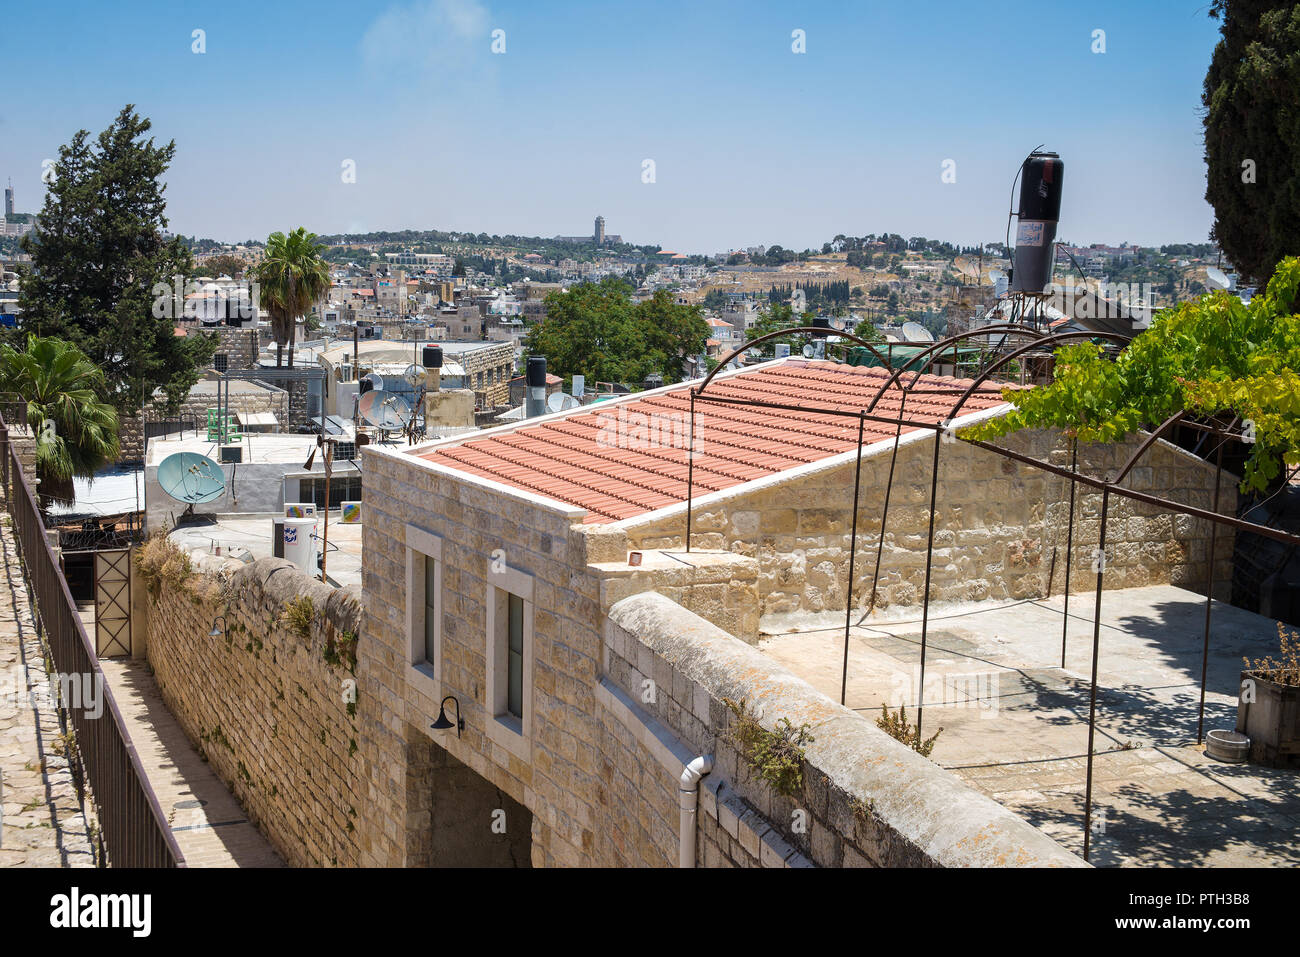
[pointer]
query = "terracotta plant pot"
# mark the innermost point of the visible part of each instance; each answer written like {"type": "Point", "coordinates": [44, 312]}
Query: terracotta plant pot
{"type": "Point", "coordinates": [1271, 720]}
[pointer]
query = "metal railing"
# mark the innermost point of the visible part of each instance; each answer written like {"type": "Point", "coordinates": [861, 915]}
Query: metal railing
{"type": "Point", "coordinates": [133, 830]}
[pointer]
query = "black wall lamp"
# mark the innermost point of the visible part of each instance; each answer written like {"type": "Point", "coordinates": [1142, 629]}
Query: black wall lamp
{"type": "Point", "coordinates": [442, 724]}
{"type": "Point", "coordinates": [218, 632]}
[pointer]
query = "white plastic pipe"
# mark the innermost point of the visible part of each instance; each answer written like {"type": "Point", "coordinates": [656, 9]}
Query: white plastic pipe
{"type": "Point", "coordinates": [688, 795]}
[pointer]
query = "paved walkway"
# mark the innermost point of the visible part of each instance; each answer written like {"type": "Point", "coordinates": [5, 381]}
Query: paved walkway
{"type": "Point", "coordinates": [42, 820]}
{"type": "Point", "coordinates": [210, 826]}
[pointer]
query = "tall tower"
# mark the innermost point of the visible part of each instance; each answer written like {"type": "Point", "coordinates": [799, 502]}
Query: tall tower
{"type": "Point", "coordinates": [600, 231]}
{"type": "Point", "coordinates": [9, 199]}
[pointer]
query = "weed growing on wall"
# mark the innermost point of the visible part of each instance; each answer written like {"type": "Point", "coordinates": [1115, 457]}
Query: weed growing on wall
{"type": "Point", "coordinates": [297, 616]}
{"type": "Point", "coordinates": [897, 727]}
{"type": "Point", "coordinates": [776, 755]}
{"type": "Point", "coordinates": [162, 563]}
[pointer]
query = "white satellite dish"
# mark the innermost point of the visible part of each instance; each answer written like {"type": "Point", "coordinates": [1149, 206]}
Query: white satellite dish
{"type": "Point", "coordinates": [414, 374]}
{"type": "Point", "coordinates": [375, 379]}
{"type": "Point", "coordinates": [560, 401]}
{"type": "Point", "coordinates": [915, 332]}
{"type": "Point", "coordinates": [1216, 278]}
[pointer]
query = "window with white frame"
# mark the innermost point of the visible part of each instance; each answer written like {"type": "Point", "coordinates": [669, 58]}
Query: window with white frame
{"type": "Point", "coordinates": [510, 659]}
{"type": "Point", "coordinates": [424, 609]}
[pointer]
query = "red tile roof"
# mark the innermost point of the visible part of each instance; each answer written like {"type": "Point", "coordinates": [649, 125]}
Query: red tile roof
{"type": "Point", "coordinates": [616, 464]}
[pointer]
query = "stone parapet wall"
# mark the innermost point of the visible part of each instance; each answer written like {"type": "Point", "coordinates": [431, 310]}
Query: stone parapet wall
{"type": "Point", "coordinates": [1000, 526]}
{"type": "Point", "coordinates": [865, 799]}
{"type": "Point", "coordinates": [263, 704]}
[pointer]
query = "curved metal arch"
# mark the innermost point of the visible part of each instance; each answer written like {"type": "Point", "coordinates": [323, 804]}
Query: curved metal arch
{"type": "Point", "coordinates": [1052, 339]}
{"type": "Point", "coordinates": [943, 344]}
{"type": "Point", "coordinates": [785, 332]}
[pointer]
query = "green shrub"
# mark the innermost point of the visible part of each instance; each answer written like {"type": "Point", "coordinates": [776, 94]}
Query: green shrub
{"type": "Point", "coordinates": [776, 755]}
{"type": "Point", "coordinates": [897, 727]}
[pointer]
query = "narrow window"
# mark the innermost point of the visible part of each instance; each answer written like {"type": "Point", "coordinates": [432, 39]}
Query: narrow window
{"type": "Point", "coordinates": [515, 669]}
{"type": "Point", "coordinates": [430, 610]}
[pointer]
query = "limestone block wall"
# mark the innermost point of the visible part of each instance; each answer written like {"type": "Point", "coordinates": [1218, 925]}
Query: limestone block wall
{"type": "Point", "coordinates": [865, 799]}
{"type": "Point", "coordinates": [557, 783]}
{"type": "Point", "coordinates": [269, 707]}
{"type": "Point", "coordinates": [496, 363]}
{"type": "Point", "coordinates": [1000, 526]}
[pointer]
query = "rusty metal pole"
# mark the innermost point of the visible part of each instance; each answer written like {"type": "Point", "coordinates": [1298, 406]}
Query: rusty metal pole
{"type": "Point", "coordinates": [690, 469]}
{"type": "Point", "coordinates": [1069, 549]}
{"type": "Point", "coordinates": [1209, 596]}
{"type": "Point", "coordinates": [853, 549]}
{"type": "Point", "coordinates": [1092, 696]}
{"type": "Point", "coordinates": [929, 561]}
{"type": "Point", "coordinates": [884, 515]}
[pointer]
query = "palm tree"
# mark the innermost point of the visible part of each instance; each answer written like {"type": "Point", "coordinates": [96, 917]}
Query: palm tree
{"type": "Point", "coordinates": [76, 432]}
{"type": "Point", "coordinates": [291, 278]}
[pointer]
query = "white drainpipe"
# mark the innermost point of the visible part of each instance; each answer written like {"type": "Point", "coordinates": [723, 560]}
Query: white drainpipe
{"type": "Point", "coordinates": [688, 795]}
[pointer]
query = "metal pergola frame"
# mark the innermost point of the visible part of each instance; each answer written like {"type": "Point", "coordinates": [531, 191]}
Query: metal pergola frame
{"type": "Point", "coordinates": [1108, 486]}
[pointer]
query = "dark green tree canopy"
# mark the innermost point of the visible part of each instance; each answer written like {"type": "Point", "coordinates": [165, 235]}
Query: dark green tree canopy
{"type": "Point", "coordinates": [595, 329]}
{"type": "Point", "coordinates": [1252, 133]}
{"type": "Point", "coordinates": [97, 256]}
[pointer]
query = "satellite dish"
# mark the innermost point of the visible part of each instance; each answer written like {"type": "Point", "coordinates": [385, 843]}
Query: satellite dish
{"type": "Point", "coordinates": [560, 401]}
{"type": "Point", "coordinates": [414, 374]}
{"type": "Point", "coordinates": [996, 274]}
{"type": "Point", "coordinates": [915, 332]}
{"type": "Point", "coordinates": [808, 351]}
{"type": "Point", "coordinates": [1216, 278]}
{"type": "Point", "coordinates": [191, 478]}
{"type": "Point", "coordinates": [375, 379]}
{"type": "Point", "coordinates": [384, 410]}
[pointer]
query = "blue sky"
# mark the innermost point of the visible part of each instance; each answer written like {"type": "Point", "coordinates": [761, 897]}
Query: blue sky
{"type": "Point", "coordinates": [752, 143]}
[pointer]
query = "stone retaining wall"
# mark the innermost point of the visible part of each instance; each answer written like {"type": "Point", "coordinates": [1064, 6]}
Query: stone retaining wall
{"type": "Point", "coordinates": [263, 704]}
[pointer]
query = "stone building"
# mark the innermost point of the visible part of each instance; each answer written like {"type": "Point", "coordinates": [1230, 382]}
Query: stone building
{"type": "Point", "coordinates": [594, 683]}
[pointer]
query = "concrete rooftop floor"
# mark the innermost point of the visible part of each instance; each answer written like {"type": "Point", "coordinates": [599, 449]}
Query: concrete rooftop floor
{"type": "Point", "coordinates": [253, 532]}
{"type": "Point", "coordinates": [1015, 724]}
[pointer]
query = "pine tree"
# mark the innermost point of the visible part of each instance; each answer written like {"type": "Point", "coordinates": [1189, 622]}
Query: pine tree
{"type": "Point", "coordinates": [1252, 133]}
{"type": "Point", "coordinates": [98, 253]}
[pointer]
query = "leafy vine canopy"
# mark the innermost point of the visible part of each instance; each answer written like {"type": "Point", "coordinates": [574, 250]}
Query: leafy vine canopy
{"type": "Point", "coordinates": [1212, 356]}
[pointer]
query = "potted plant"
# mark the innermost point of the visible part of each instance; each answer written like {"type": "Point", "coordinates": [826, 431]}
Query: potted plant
{"type": "Point", "coordinates": [1268, 711]}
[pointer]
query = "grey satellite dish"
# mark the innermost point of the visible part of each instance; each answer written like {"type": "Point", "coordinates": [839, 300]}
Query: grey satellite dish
{"type": "Point", "coordinates": [384, 410]}
{"type": "Point", "coordinates": [414, 374]}
{"type": "Point", "coordinates": [915, 332]}
{"type": "Point", "coordinates": [559, 402]}
{"type": "Point", "coordinates": [808, 351]}
{"type": "Point", "coordinates": [1216, 278]}
{"type": "Point", "coordinates": [375, 379]}
{"type": "Point", "coordinates": [191, 478]}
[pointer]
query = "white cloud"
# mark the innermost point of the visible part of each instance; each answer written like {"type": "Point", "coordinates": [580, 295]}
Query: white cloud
{"type": "Point", "coordinates": [434, 36]}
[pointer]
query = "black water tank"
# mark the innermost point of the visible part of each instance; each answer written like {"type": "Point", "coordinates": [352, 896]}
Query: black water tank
{"type": "Point", "coordinates": [821, 322]}
{"type": "Point", "coordinates": [1041, 175]}
{"type": "Point", "coordinates": [431, 356]}
{"type": "Point", "coordinates": [536, 371]}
